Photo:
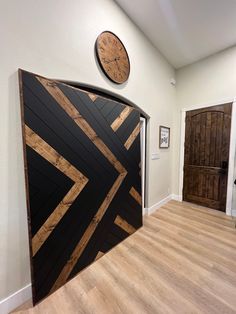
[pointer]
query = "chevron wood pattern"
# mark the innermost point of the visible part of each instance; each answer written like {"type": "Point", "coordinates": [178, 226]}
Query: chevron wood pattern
{"type": "Point", "coordinates": [45, 150]}
{"type": "Point", "coordinates": [132, 136]}
{"type": "Point", "coordinates": [92, 96]}
{"type": "Point", "coordinates": [121, 118]}
{"type": "Point", "coordinates": [136, 195]}
{"type": "Point", "coordinates": [82, 163]}
{"type": "Point", "coordinates": [124, 225]}
{"type": "Point", "coordinates": [87, 235]}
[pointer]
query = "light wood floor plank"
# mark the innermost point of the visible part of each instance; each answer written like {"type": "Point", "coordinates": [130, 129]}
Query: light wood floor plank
{"type": "Point", "coordinates": [146, 279]}
{"type": "Point", "coordinates": [197, 221]}
{"type": "Point", "coordinates": [202, 247]}
{"type": "Point", "coordinates": [227, 225]}
{"type": "Point", "coordinates": [204, 211]}
{"type": "Point", "coordinates": [190, 224]}
{"type": "Point", "coordinates": [189, 266]}
{"type": "Point", "coordinates": [182, 261]}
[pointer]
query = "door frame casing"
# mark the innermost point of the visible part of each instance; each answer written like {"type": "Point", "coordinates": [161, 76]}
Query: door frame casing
{"type": "Point", "coordinates": [232, 149]}
{"type": "Point", "coordinates": [143, 161]}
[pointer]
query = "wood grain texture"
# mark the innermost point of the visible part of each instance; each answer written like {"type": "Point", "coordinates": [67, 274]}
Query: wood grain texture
{"type": "Point", "coordinates": [65, 103]}
{"type": "Point", "coordinates": [51, 155]}
{"type": "Point", "coordinates": [112, 57]}
{"type": "Point", "coordinates": [45, 150]}
{"type": "Point", "coordinates": [135, 195]}
{"type": "Point", "coordinates": [132, 136]}
{"type": "Point", "coordinates": [92, 96]}
{"type": "Point", "coordinates": [62, 278]}
{"type": "Point", "coordinates": [207, 140]}
{"type": "Point", "coordinates": [119, 221]}
{"type": "Point", "coordinates": [121, 118]}
{"type": "Point", "coordinates": [47, 228]}
{"type": "Point", "coordinates": [174, 264]}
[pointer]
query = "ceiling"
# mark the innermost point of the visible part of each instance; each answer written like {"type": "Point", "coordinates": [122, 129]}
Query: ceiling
{"type": "Point", "coordinates": [185, 31]}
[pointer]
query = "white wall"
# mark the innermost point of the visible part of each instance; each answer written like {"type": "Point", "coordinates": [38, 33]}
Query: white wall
{"type": "Point", "coordinates": [208, 81]}
{"type": "Point", "coordinates": [56, 39]}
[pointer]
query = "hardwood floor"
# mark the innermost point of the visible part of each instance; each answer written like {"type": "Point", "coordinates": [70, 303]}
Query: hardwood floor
{"type": "Point", "coordinates": [182, 261]}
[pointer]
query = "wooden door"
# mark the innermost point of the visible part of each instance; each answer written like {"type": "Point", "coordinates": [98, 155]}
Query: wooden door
{"type": "Point", "coordinates": [82, 164]}
{"type": "Point", "coordinates": [207, 139]}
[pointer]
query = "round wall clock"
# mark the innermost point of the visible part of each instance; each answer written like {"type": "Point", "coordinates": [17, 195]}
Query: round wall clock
{"type": "Point", "coordinates": [112, 57]}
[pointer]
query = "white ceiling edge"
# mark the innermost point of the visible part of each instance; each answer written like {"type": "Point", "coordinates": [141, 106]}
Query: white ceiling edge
{"type": "Point", "coordinates": [146, 36]}
{"type": "Point", "coordinates": [184, 31]}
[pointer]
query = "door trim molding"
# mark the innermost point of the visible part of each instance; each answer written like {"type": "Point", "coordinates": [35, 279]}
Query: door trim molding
{"type": "Point", "coordinates": [232, 149]}
{"type": "Point", "coordinates": [143, 161]}
{"type": "Point", "coordinates": [181, 162]}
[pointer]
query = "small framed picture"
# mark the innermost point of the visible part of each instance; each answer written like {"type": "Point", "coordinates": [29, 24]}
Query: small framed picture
{"type": "Point", "coordinates": [164, 137]}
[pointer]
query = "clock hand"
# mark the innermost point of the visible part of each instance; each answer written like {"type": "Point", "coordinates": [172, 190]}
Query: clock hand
{"type": "Point", "coordinates": [113, 60]}
{"type": "Point", "coordinates": [107, 61]}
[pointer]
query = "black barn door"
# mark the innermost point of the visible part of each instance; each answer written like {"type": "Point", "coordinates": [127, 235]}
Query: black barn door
{"type": "Point", "coordinates": [82, 158]}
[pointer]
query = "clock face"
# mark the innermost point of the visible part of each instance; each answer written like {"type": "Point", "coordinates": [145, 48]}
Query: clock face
{"type": "Point", "coordinates": [112, 57]}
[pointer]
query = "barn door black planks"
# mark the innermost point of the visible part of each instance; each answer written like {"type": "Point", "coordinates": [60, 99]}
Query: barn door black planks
{"type": "Point", "coordinates": [82, 159]}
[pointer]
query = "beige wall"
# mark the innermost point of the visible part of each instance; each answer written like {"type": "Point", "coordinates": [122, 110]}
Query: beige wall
{"type": "Point", "coordinates": [56, 39]}
{"type": "Point", "coordinates": [208, 81]}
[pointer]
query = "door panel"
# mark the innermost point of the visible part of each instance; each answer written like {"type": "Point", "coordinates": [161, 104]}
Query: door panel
{"type": "Point", "coordinates": [207, 139]}
{"type": "Point", "coordinates": [82, 178]}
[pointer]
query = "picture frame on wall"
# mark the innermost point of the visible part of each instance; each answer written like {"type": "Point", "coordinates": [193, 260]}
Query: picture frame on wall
{"type": "Point", "coordinates": [164, 137]}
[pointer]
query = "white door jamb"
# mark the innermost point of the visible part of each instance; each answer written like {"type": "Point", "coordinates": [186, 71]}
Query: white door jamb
{"type": "Point", "coordinates": [143, 159]}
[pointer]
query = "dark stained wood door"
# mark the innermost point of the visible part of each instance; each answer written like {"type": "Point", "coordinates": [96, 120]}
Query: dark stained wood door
{"type": "Point", "coordinates": [207, 139]}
